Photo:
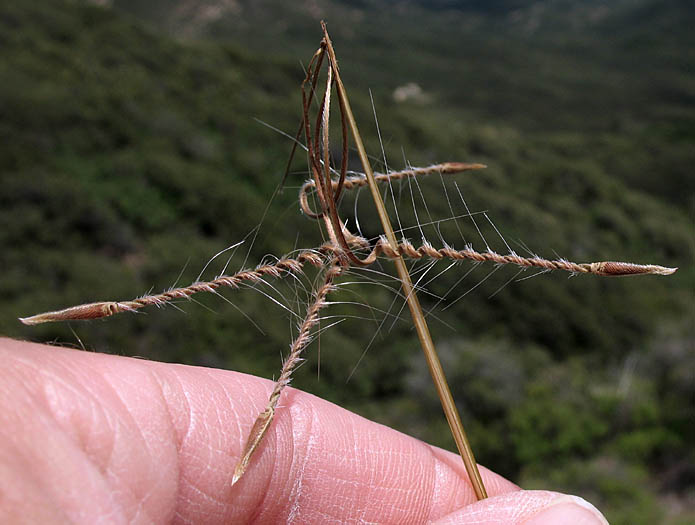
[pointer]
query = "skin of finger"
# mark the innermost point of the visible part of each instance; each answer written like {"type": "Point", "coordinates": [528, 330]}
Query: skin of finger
{"type": "Point", "coordinates": [99, 438]}
{"type": "Point", "coordinates": [525, 506]}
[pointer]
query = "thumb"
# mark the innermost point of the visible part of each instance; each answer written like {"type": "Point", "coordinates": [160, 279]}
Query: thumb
{"type": "Point", "coordinates": [527, 507]}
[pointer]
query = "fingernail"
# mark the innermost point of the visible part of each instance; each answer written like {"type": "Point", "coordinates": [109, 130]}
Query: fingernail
{"type": "Point", "coordinates": [567, 510]}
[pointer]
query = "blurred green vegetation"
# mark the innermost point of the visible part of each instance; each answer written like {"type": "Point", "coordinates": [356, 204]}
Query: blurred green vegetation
{"type": "Point", "coordinates": [131, 148]}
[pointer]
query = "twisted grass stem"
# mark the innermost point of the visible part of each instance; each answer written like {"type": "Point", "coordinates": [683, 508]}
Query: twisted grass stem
{"type": "Point", "coordinates": [318, 257]}
{"type": "Point", "coordinates": [265, 418]}
{"type": "Point", "coordinates": [109, 308]}
{"type": "Point", "coordinates": [357, 181]}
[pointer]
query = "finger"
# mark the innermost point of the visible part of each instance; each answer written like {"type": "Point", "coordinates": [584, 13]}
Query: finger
{"type": "Point", "coordinates": [107, 435]}
{"type": "Point", "coordinates": [528, 507]}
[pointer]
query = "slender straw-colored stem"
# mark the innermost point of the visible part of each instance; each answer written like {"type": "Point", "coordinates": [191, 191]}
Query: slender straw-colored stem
{"type": "Point", "coordinates": [423, 332]}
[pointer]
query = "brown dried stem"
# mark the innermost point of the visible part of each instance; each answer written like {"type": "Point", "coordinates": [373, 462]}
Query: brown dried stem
{"type": "Point", "coordinates": [317, 258]}
{"type": "Point", "coordinates": [265, 418]}
{"type": "Point", "coordinates": [357, 181]}
{"type": "Point", "coordinates": [604, 268]}
{"type": "Point", "coordinates": [109, 308]}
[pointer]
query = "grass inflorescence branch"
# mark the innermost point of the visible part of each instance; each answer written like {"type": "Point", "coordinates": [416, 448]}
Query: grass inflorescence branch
{"type": "Point", "coordinates": [260, 426]}
{"type": "Point", "coordinates": [318, 258]}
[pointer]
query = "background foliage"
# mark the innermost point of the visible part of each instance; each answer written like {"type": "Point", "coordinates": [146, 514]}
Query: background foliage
{"type": "Point", "coordinates": [130, 147]}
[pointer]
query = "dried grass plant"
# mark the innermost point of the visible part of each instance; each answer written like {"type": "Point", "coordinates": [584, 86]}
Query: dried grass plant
{"type": "Point", "coordinates": [343, 250]}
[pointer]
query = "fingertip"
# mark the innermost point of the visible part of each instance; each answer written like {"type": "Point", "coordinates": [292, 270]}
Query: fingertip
{"type": "Point", "coordinates": [528, 507]}
{"type": "Point", "coordinates": [568, 510]}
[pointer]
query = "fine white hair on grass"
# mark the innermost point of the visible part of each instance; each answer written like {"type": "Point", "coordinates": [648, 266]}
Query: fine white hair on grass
{"type": "Point", "coordinates": [368, 306]}
{"type": "Point", "coordinates": [416, 286]}
{"type": "Point", "coordinates": [509, 250]}
{"type": "Point", "coordinates": [379, 330]}
{"type": "Point", "coordinates": [77, 337]}
{"type": "Point", "coordinates": [378, 132]}
{"type": "Point", "coordinates": [425, 269]}
{"type": "Point", "coordinates": [412, 200]}
{"type": "Point", "coordinates": [452, 303]}
{"type": "Point", "coordinates": [201, 304]}
{"type": "Point", "coordinates": [540, 272]}
{"type": "Point", "coordinates": [374, 337]}
{"type": "Point", "coordinates": [174, 305]}
{"type": "Point", "coordinates": [232, 247]}
{"type": "Point", "coordinates": [395, 206]}
{"type": "Point", "coordinates": [178, 278]}
{"type": "Point", "coordinates": [451, 209]}
{"type": "Point", "coordinates": [240, 310]}
{"type": "Point", "coordinates": [355, 214]}
{"type": "Point", "coordinates": [318, 331]}
{"type": "Point", "coordinates": [398, 295]}
{"type": "Point", "coordinates": [283, 133]}
{"type": "Point", "coordinates": [388, 278]}
{"type": "Point", "coordinates": [436, 223]}
{"type": "Point", "coordinates": [471, 216]}
{"type": "Point", "coordinates": [394, 289]}
{"type": "Point", "coordinates": [273, 299]}
{"type": "Point", "coordinates": [525, 247]}
{"type": "Point", "coordinates": [428, 313]}
{"type": "Point", "coordinates": [507, 282]}
{"type": "Point", "coordinates": [437, 276]}
{"type": "Point", "coordinates": [437, 229]}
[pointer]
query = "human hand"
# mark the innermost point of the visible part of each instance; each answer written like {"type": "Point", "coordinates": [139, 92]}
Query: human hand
{"type": "Point", "coordinates": [94, 438]}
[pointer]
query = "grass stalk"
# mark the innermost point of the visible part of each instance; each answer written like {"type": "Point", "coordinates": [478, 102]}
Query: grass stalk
{"type": "Point", "coordinates": [421, 327]}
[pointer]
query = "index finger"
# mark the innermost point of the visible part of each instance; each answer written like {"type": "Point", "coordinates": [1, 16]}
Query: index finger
{"type": "Point", "coordinates": [137, 438]}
